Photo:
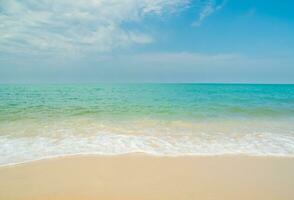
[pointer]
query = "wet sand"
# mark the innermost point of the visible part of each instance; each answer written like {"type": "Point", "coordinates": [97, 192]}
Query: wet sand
{"type": "Point", "coordinates": [143, 177]}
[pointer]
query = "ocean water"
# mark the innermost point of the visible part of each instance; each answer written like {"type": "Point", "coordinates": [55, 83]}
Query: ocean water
{"type": "Point", "coordinates": [41, 121]}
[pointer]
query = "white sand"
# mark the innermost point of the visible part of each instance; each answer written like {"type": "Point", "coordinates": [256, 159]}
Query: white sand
{"type": "Point", "coordinates": [142, 177]}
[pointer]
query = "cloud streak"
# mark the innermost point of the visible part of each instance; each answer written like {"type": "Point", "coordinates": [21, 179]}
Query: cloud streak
{"type": "Point", "coordinates": [55, 26]}
{"type": "Point", "coordinates": [208, 8]}
{"type": "Point", "coordinates": [66, 27]}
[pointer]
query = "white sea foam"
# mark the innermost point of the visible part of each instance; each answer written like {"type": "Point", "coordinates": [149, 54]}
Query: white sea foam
{"type": "Point", "coordinates": [23, 149]}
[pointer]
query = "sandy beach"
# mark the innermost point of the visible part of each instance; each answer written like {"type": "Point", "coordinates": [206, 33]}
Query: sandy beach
{"type": "Point", "coordinates": [146, 100]}
{"type": "Point", "coordinates": [139, 176]}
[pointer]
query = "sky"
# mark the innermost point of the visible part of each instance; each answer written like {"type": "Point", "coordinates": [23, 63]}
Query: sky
{"type": "Point", "coordinates": [203, 41]}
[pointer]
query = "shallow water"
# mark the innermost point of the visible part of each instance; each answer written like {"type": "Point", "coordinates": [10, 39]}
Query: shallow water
{"type": "Point", "coordinates": [38, 121]}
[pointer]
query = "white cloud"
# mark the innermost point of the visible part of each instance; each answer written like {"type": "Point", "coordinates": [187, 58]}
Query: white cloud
{"type": "Point", "coordinates": [76, 25]}
{"type": "Point", "coordinates": [208, 8]}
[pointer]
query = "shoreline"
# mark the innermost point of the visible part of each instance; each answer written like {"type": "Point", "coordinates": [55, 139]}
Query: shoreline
{"type": "Point", "coordinates": [228, 155]}
{"type": "Point", "coordinates": [142, 176]}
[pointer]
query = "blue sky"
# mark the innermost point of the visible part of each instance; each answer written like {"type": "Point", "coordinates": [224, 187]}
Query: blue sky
{"type": "Point", "coordinates": [61, 41]}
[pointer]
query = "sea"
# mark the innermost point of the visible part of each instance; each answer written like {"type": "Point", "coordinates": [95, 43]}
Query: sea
{"type": "Point", "coordinates": [46, 121]}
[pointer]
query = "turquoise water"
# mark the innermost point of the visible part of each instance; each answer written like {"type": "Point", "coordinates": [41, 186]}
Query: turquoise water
{"type": "Point", "coordinates": [170, 101]}
{"type": "Point", "coordinates": [38, 121]}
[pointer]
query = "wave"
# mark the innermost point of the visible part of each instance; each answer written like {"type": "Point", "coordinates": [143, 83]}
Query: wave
{"type": "Point", "coordinates": [24, 149]}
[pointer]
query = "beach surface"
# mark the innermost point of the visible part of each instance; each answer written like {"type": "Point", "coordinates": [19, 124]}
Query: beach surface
{"type": "Point", "coordinates": [144, 177]}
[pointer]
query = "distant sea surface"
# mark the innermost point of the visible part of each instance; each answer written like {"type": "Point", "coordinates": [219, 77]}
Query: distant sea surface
{"type": "Point", "coordinates": [41, 121]}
